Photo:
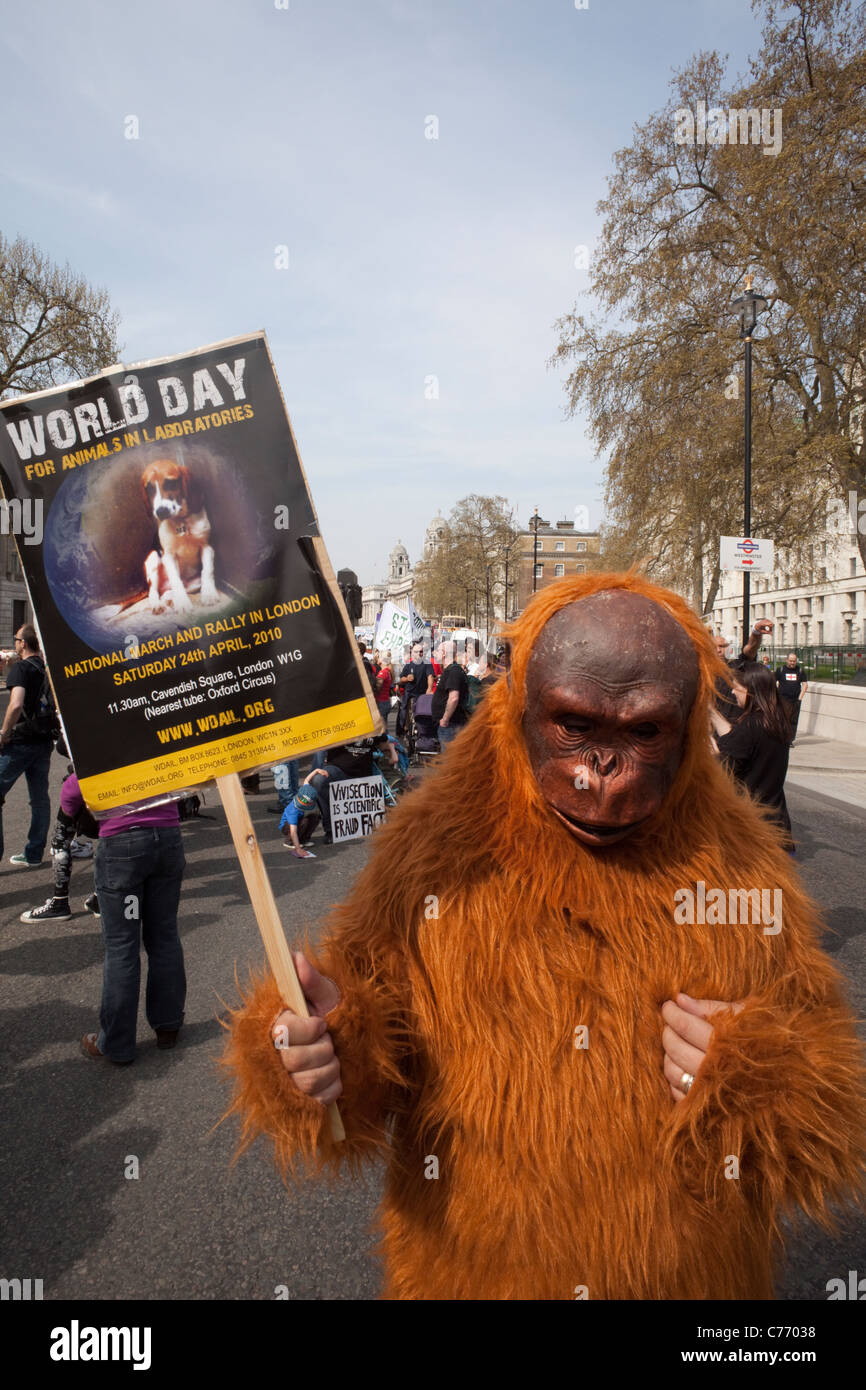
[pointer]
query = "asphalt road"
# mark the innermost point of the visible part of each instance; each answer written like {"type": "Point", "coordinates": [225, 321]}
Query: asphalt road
{"type": "Point", "coordinates": [192, 1225]}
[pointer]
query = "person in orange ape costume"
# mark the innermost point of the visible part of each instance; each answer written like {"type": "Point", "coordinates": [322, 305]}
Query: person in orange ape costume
{"type": "Point", "coordinates": [619, 1105]}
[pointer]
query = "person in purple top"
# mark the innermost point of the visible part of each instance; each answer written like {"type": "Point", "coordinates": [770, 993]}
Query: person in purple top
{"type": "Point", "coordinates": [66, 827]}
{"type": "Point", "coordinates": [138, 868]}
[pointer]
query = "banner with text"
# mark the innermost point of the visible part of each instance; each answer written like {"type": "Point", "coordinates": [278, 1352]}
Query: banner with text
{"type": "Point", "coordinates": [393, 634]}
{"type": "Point", "coordinates": [357, 807]}
{"type": "Point", "coordinates": [188, 609]}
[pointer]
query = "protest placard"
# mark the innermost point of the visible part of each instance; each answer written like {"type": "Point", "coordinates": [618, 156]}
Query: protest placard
{"type": "Point", "coordinates": [393, 633]}
{"type": "Point", "coordinates": [357, 807]}
{"type": "Point", "coordinates": [188, 610]}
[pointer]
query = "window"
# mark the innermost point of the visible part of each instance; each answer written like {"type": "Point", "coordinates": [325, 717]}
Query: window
{"type": "Point", "coordinates": [540, 545]}
{"type": "Point", "coordinates": [539, 571]}
{"type": "Point", "coordinates": [558, 571]}
{"type": "Point", "coordinates": [820, 632]}
{"type": "Point", "coordinates": [581, 547]}
{"type": "Point", "coordinates": [560, 545]}
{"type": "Point", "coordinates": [853, 566]}
{"type": "Point", "coordinates": [580, 569]}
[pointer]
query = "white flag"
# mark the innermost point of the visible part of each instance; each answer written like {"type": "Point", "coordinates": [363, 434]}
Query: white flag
{"type": "Point", "coordinates": [416, 624]}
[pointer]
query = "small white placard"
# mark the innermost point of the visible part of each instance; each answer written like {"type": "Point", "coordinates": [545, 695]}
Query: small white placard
{"type": "Point", "coordinates": [357, 807]}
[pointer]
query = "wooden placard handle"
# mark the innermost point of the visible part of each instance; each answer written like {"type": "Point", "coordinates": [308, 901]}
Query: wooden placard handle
{"type": "Point", "coordinates": [265, 908]}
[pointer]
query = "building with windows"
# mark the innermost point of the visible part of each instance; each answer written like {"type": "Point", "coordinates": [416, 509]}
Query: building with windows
{"type": "Point", "coordinates": [823, 604]}
{"type": "Point", "coordinates": [561, 550]}
{"type": "Point", "coordinates": [396, 588]}
{"type": "Point", "coordinates": [14, 604]}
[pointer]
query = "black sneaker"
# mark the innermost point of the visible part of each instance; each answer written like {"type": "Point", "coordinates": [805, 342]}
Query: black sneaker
{"type": "Point", "coordinates": [91, 904]}
{"type": "Point", "coordinates": [55, 910]}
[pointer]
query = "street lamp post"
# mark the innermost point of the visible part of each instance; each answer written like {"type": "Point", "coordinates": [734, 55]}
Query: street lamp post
{"type": "Point", "coordinates": [487, 610]}
{"type": "Point", "coordinates": [749, 305]}
{"type": "Point", "coordinates": [536, 518]}
{"type": "Point", "coordinates": [508, 550]}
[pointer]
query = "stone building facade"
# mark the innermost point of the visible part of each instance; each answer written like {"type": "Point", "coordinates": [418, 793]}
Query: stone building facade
{"type": "Point", "coordinates": [826, 604]}
{"type": "Point", "coordinates": [14, 604]}
{"type": "Point", "coordinates": [562, 550]}
{"type": "Point", "coordinates": [396, 588]}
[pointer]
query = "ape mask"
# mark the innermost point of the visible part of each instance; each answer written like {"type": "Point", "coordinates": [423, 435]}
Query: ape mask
{"type": "Point", "coordinates": [610, 686]}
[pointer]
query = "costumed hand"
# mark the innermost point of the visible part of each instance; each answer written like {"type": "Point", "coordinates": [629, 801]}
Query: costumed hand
{"type": "Point", "coordinates": [686, 1038]}
{"type": "Point", "coordinates": [764, 626]}
{"type": "Point", "coordinates": [304, 1044]}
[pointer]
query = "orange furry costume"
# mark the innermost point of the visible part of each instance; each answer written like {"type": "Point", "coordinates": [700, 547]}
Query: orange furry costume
{"type": "Point", "coordinates": [563, 1168]}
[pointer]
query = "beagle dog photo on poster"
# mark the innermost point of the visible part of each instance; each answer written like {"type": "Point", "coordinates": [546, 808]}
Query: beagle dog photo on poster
{"type": "Point", "coordinates": [189, 613]}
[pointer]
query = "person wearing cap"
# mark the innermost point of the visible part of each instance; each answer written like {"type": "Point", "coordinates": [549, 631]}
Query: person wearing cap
{"type": "Point", "coordinates": [299, 820]}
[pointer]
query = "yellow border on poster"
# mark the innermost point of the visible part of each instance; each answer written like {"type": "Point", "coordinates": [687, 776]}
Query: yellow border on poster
{"type": "Point", "coordinates": [190, 766]}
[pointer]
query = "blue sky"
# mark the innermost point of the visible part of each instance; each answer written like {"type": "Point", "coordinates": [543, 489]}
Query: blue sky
{"type": "Point", "coordinates": [409, 258]}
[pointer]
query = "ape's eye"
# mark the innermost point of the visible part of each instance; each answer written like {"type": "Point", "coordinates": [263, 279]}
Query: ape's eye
{"type": "Point", "coordinates": [575, 723]}
{"type": "Point", "coordinates": [645, 730]}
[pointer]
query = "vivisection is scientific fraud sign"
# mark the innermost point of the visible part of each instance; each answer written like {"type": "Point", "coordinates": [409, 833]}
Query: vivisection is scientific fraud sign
{"type": "Point", "coordinates": [189, 612]}
{"type": "Point", "coordinates": [357, 807]}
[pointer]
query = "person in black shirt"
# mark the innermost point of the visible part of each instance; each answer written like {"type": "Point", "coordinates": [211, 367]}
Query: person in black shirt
{"type": "Point", "coordinates": [362, 648]}
{"type": "Point", "coordinates": [25, 750]}
{"type": "Point", "coordinates": [416, 678]}
{"type": "Point", "coordinates": [450, 698]}
{"type": "Point", "coordinates": [725, 703]}
{"type": "Point", "coordinates": [346, 761]}
{"type": "Point", "coordinates": [755, 745]}
{"type": "Point", "coordinates": [792, 686]}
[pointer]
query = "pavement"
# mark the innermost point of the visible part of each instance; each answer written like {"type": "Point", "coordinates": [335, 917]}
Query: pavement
{"type": "Point", "coordinates": [829, 767]}
{"type": "Point", "coordinates": [119, 1183]}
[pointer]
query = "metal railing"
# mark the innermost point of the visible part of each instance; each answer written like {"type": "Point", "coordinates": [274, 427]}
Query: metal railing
{"type": "Point", "coordinates": [833, 662]}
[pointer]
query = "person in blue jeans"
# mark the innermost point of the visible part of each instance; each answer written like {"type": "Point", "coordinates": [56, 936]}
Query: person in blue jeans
{"type": "Point", "coordinates": [285, 782]}
{"type": "Point", "coordinates": [138, 871]}
{"type": "Point", "coordinates": [24, 749]}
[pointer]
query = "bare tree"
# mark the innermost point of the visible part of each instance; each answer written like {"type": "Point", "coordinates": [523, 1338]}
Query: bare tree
{"type": "Point", "coordinates": [766, 177]}
{"type": "Point", "coordinates": [54, 326]}
{"type": "Point", "coordinates": [478, 535]}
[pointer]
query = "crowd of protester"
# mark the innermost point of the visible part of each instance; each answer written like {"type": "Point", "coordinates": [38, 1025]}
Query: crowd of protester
{"type": "Point", "coordinates": [436, 693]}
